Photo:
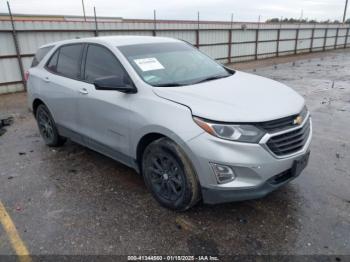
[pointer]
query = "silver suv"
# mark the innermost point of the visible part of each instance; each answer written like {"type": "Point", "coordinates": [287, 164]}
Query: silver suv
{"type": "Point", "coordinates": [193, 128]}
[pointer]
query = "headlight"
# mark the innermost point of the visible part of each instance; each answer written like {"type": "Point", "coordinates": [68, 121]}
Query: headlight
{"type": "Point", "coordinates": [239, 133]}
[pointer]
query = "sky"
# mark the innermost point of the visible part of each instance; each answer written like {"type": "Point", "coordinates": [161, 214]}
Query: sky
{"type": "Point", "coordinates": [221, 10]}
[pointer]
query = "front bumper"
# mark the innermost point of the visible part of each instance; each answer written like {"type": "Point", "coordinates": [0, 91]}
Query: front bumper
{"type": "Point", "coordinates": [254, 165]}
{"type": "Point", "coordinates": [215, 196]}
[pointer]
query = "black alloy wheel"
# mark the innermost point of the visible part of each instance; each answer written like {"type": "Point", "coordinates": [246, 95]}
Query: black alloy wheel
{"type": "Point", "coordinates": [169, 175]}
{"type": "Point", "coordinates": [47, 127]}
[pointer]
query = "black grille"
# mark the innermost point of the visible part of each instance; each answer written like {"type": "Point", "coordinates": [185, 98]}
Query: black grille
{"type": "Point", "coordinates": [289, 142]}
{"type": "Point", "coordinates": [282, 123]}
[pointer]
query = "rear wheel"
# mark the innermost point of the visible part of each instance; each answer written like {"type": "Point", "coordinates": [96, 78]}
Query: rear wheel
{"type": "Point", "coordinates": [47, 127]}
{"type": "Point", "coordinates": [169, 175]}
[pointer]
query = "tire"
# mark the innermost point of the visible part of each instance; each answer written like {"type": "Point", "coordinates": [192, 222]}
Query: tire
{"type": "Point", "coordinates": [47, 127]}
{"type": "Point", "coordinates": [169, 175]}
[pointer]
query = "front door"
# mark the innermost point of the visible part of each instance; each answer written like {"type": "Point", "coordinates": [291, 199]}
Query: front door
{"type": "Point", "coordinates": [104, 114]}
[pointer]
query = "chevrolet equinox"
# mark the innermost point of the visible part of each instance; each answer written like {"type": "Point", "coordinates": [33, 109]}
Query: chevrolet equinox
{"type": "Point", "coordinates": [193, 128]}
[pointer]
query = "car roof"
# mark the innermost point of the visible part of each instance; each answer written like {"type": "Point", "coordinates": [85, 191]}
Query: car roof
{"type": "Point", "coordinates": [117, 40]}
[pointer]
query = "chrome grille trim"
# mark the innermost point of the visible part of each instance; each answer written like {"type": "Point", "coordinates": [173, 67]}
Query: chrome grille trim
{"type": "Point", "coordinates": [285, 123]}
{"type": "Point", "coordinates": [306, 141]}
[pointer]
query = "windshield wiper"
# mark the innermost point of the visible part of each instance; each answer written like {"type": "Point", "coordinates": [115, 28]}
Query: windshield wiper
{"type": "Point", "coordinates": [201, 81]}
{"type": "Point", "coordinates": [211, 78]}
{"type": "Point", "coordinates": [168, 84]}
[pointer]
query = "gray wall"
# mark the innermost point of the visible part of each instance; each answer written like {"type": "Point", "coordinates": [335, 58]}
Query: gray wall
{"type": "Point", "coordinates": [225, 42]}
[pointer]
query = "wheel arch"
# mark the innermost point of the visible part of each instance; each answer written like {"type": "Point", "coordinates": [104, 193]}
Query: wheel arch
{"type": "Point", "coordinates": [143, 143]}
{"type": "Point", "coordinates": [36, 103]}
{"type": "Point", "coordinates": [148, 137]}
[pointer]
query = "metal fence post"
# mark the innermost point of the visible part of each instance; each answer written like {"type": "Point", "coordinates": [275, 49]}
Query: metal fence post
{"type": "Point", "coordinates": [96, 26]}
{"type": "Point", "coordinates": [296, 41]}
{"type": "Point", "coordinates": [230, 40]}
{"type": "Point", "coordinates": [257, 39]}
{"type": "Point", "coordinates": [312, 39]}
{"type": "Point", "coordinates": [18, 52]}
{"type": "Point", "coordinates": [325, 39]}
{"type": "Point", "coordinates": [278, 42]}
{"type": "Point", "coordinates": [154, 32]}
{"type": "Point", "coordinates": [336, 38]}
{"type": "Point", "coordinates": [229, 45]}
{"type": "Point", "coordinates": [83, 5]}
{"type": "Point", "coordinates": [346, 38]}
{"type": "Point", "coordinates": [197, 31]}
{"type": "Point", "coordinates": [197, 38]}
{"type": "Point", "coordinates": [256, 43]}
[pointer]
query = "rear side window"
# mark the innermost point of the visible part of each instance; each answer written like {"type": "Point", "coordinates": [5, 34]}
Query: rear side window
{"type": "Point", "coordinates": [40, 55]}
{"type": "Point", "coordinates": [100, 62]}
{"type": "Point", "coordinates": [66, 61]}
{"type": "Point", "coordinates": [52, 64]}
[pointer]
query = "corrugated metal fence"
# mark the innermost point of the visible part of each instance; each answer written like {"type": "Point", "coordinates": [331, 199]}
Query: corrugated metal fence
{"type": "Point", "coordinates": [226, 42]}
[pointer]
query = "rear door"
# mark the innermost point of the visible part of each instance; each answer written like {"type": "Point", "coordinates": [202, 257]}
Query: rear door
{"type": "Point", "coordinates": [104, 114]}
{"type": "Point", "coordinates": [62, 84]}
{"type": "Point", "coordinates": [35, 75]}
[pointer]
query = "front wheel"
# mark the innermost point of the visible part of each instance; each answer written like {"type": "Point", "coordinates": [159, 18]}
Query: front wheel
{"type": "Point", "coordinates": [169, 175]}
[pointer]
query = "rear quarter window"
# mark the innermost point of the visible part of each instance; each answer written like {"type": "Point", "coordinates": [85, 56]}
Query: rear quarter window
{"type": "Point", "coordinates": [39, 55]}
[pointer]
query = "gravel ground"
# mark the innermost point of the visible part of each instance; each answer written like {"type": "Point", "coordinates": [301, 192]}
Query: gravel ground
{"type": "Point", "coordinates": [72, 200]}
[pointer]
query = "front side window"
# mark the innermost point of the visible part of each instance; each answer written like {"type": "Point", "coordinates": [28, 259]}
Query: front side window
{"type": "Point", "coordinates": [66, 61]}
{"type": "Point", "coordinates": [100, 62]}
{"type": "Point", "coordinates": [172, 64]}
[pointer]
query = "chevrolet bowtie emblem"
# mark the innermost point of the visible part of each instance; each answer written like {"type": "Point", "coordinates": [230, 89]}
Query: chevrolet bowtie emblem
{"type": "Point", "coordinates": [298, 120]}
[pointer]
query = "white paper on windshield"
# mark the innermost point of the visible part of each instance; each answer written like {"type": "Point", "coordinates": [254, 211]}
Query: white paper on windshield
{"type": "Point", "coordinates": [148, 64]}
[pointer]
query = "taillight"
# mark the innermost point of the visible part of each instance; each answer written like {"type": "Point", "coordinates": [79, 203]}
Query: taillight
{"type": "Point", "coordinates": [26, 76]}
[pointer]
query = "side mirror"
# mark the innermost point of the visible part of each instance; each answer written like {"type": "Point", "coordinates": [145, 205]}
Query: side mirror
{"type": "Point", "coordinates": [121, 84]}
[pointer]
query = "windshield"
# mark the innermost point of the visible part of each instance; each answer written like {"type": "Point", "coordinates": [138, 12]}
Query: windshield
{"type": "Point", "coordinates": [172, 64]}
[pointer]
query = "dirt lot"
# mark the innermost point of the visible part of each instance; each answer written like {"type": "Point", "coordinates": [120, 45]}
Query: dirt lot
{"type": "Point", "coordinates": [72, 200]}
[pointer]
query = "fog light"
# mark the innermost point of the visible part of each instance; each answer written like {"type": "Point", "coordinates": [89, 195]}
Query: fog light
{"type": "Point", "coordinates": [223, 173]}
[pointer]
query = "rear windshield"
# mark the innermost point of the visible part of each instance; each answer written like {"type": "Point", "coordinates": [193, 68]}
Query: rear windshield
{"type": "Point", "coordinates": [40, 55]}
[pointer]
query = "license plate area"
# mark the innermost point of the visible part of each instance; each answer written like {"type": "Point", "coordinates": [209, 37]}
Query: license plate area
{"type": "Point", "coordinates": [300, 164]}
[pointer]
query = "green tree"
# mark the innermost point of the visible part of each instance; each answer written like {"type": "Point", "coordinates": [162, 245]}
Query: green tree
{"type": "Point", "coordinates": [273, 20]}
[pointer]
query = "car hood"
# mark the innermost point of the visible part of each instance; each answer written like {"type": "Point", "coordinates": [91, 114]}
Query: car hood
{"type": "Point", "coordinates": [241, 97]}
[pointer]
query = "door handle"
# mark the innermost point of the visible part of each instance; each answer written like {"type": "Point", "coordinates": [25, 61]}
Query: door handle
{"type": "Point", "coordinates": [46, 79]}
{"type": "Point", "coordinates": [83, 91]}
